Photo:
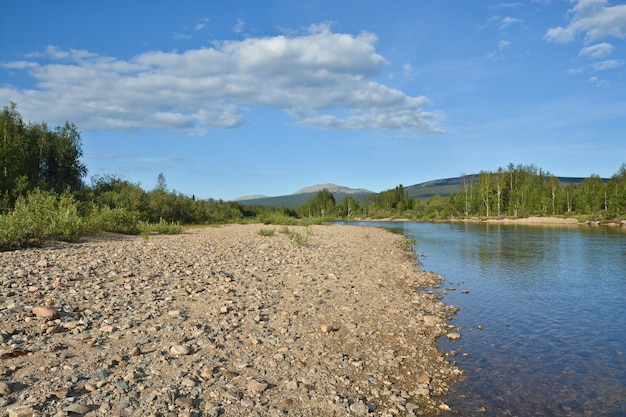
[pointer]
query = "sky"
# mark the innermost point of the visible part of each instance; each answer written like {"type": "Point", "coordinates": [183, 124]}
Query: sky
{"type": "Point", "coordinates": [249, 97]}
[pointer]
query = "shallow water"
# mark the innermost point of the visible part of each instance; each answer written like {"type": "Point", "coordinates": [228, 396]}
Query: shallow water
{"type": "Point", "coordinates": [551, 302]}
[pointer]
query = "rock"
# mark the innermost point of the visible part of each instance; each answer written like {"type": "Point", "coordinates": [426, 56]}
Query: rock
{"type": "Point", "coordinates": [326, 328]}
{"type": "Point", "coordinates": [184, 402]}
{"type": "Point", "coordinates": [42, 263]}
{"type": "Point", "coordinates": [188, 382]}
{"type": "Point", "coordinates": [5, 389]}
{"type": "Point", "coordinates": [45, 312]}
{"type": "Point", "coordinates": [77, 408]}
{"type": "Point", "coordinates": [257, 386]}
{"type": "Point", "coordinates": [444, 407]}
{"type": "Point", "coordinates": [359, 408]}
{"type": "Point", "coordinates": [136, 351]}
{"type": "Point", "coordinates": [431, 321]}
{"type": "Point", "coordinates": [21, 411]}
{"type": "Point", "coordinates": [453, 336]}
{"type": "Point", "coordinates": [180, 350]}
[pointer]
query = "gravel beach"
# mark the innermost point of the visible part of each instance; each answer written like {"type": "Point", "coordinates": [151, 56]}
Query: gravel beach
{"type": "Point", "coordinates": [222, 321]}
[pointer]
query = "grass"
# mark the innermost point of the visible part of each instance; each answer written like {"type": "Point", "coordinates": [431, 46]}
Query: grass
{"type": "Point", "coordinates": [297, 238]}
{"type": "Point", "coordinates": [266, 232]}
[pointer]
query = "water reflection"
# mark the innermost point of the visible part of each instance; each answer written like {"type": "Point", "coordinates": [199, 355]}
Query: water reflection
{"type": "Point", "coordinates": [552, 305]}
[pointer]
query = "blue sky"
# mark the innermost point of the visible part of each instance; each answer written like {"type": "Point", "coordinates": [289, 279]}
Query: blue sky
{"type": "Point", "coordinates": [266, 97]}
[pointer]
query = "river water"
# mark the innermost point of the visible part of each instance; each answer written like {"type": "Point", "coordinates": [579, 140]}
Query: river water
{"type": "Point", "coordinates": [551, 303]}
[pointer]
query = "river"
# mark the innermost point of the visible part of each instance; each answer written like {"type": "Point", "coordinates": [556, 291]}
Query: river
{"type": "Point", "coordinates": [542, 314]}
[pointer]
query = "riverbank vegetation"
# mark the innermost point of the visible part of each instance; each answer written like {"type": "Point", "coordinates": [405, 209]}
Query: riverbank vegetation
{"type": "Point", "coordinates": [43, 195]}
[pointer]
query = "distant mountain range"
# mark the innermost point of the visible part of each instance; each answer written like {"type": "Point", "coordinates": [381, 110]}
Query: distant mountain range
{"type": "Point", "coordinates": [443, 187]}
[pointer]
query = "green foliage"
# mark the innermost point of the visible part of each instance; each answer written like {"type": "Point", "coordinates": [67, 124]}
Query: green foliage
{"type": "Point", "coordinates": [276, 217]}
{"type": "Point", "coordinates": [321, 205]}
{"type": "Point", "coordinates": [32, 156]}
{"type": "Point", "coordinates": [266, 232]}
{"type": "Point", "coordinates": [114, 220]}
{"type": "Point", "coordinates": [162, 227]}
{"type": "Point", "coordinates": [39, 216]}
{"type": "Point", "coordinates": [297, 238]}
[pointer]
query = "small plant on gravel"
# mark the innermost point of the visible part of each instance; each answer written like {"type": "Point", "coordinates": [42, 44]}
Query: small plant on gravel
{"type": "Point", "coordinates": [266, 232]}
{"type": "Point", "coordinates": [296, 237]}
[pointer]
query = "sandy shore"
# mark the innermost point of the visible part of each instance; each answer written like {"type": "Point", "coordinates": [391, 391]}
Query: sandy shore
{"type": "Point", "coordinates": [222, 321]}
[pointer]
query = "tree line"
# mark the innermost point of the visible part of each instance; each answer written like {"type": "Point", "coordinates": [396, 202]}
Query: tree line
{"type": "Point", "coordinates": [515, 191]}
{"type": "Point", "coordinates": [43, 195]}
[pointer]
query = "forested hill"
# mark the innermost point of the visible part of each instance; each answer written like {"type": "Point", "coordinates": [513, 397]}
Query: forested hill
{"type": "Point", "coordinates": [450, 186]}
{"type": "Point", "coordinates": [422, 191]}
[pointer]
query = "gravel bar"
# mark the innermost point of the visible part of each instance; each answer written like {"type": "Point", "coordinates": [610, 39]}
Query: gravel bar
{"type": "Point", "coordinates": [238, 320]}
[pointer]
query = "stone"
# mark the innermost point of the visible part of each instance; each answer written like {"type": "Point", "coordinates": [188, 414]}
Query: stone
{"type": "Point", "coordinates": [188, 382]}
{"type": "Point", "coordinates": [136, 351]}
{"type": "Point", "coordinates": [184, 402]}
{"type": "Point", "coordinates": [45, 312]}
{"type": "Point", "coordinates": [326, 328]}
{"type": "Point", "coordinates": [359, 408]}
{"type": "Point", "coordinates": [453, 336]}
{"type": "Point", "coordinates": [5, 389]}
{"type": "Point", "coordinates": [77, 408]}
{"type": "Point", "coordinates": [180, 350]}
{"type": "Point", "coordinates": [257, 386]}
{"type": "Point", "coordinates": [21, 411]}
{"type": "Point", "coordinates": [431, 321]}
{"type": "Point", "coordinates": [42, 263]}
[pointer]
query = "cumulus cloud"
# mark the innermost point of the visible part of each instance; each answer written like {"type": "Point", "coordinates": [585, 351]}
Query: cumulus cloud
{"type": "Point", "coordinates": [607, 64]}
{"type": "Point", "coordinates": [508, 21]}
{"type": "Point", "coordinates": [320, 78]}
{"type": "Point", "coordinates": [593, 19]}
{"type": "Point", "coordinates": [597, 51]}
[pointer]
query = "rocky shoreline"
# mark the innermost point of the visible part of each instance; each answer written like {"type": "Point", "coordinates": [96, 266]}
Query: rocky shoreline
{"type": "Point", "coordinates": [239, 320]}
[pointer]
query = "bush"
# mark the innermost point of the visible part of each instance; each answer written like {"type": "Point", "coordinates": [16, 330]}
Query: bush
{"type": "Point", "coordinates": [40, 216]}
{"type": "Point", "coordinates": [163, 227]}
{"type": "Point", "coordinates": [116, 220]}
{"type": "Point", "coordinates": [277, 218]}
{"type": "Point", "coordinates": [266, 232]}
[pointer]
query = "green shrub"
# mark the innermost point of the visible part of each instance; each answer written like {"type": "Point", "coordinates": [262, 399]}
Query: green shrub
{"type": "Point", "coordinates": [266, 232]}
{"type": "Point", "coordinates": [163, 227]}
{"type": "Point", "coordinates": [114, 220]}
{"type": "Point", "coordinates": [40, 216]}
{"type": "Point", "coordinates": [277, 218]}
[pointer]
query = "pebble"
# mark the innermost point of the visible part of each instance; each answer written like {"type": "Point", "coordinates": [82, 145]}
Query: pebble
{"type": "Point", "coordinates": [453, 336]}
{"type": "Point", "coordinates": [45, 312]}
{"type": "Point", "coordinates": [184, 402]}
{"type": "Point", "coordinates": [257, 386]}
{"type": "Point", "coordinates": [21, 411]}
{"type": "Point", "coordinates": [77, 408]}
{"type": "Point", "coordinates": [359, 408]}
{"type": "Point", "coordinates": [180, 350]}
{"type": "Point", "coordinates": [5, 389]}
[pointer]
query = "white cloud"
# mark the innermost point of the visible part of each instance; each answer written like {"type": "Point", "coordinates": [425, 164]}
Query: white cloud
{"type": "Point", "coordinates": [507, 5]}
{"type": "Point", "coordinates": [607, 64]}
{"type": "Point", "coordinates": [319, 78]}
{"type": "Point", "coordinates": [508, 21]}
{"type": "Point", "coordinates": [598, 82]}
{"type": "Point", "coordinates": [239, 26]}
{"type": "Point", "coordinates": [503, 45]}
{"type": "Point", "coordinates": [597, 51]}
{"type": "Point", "coordinates": [595, 19]}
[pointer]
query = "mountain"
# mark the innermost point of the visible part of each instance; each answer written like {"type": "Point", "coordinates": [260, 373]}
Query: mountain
{"type": "Point", "coordinates": [333, 189]}
{"type": "Point", "coordinates": [250, 197]}
{"type": "Point", "coordinates": [423, 191]}
{"type": "Point", "coordinates": [301, 196]}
